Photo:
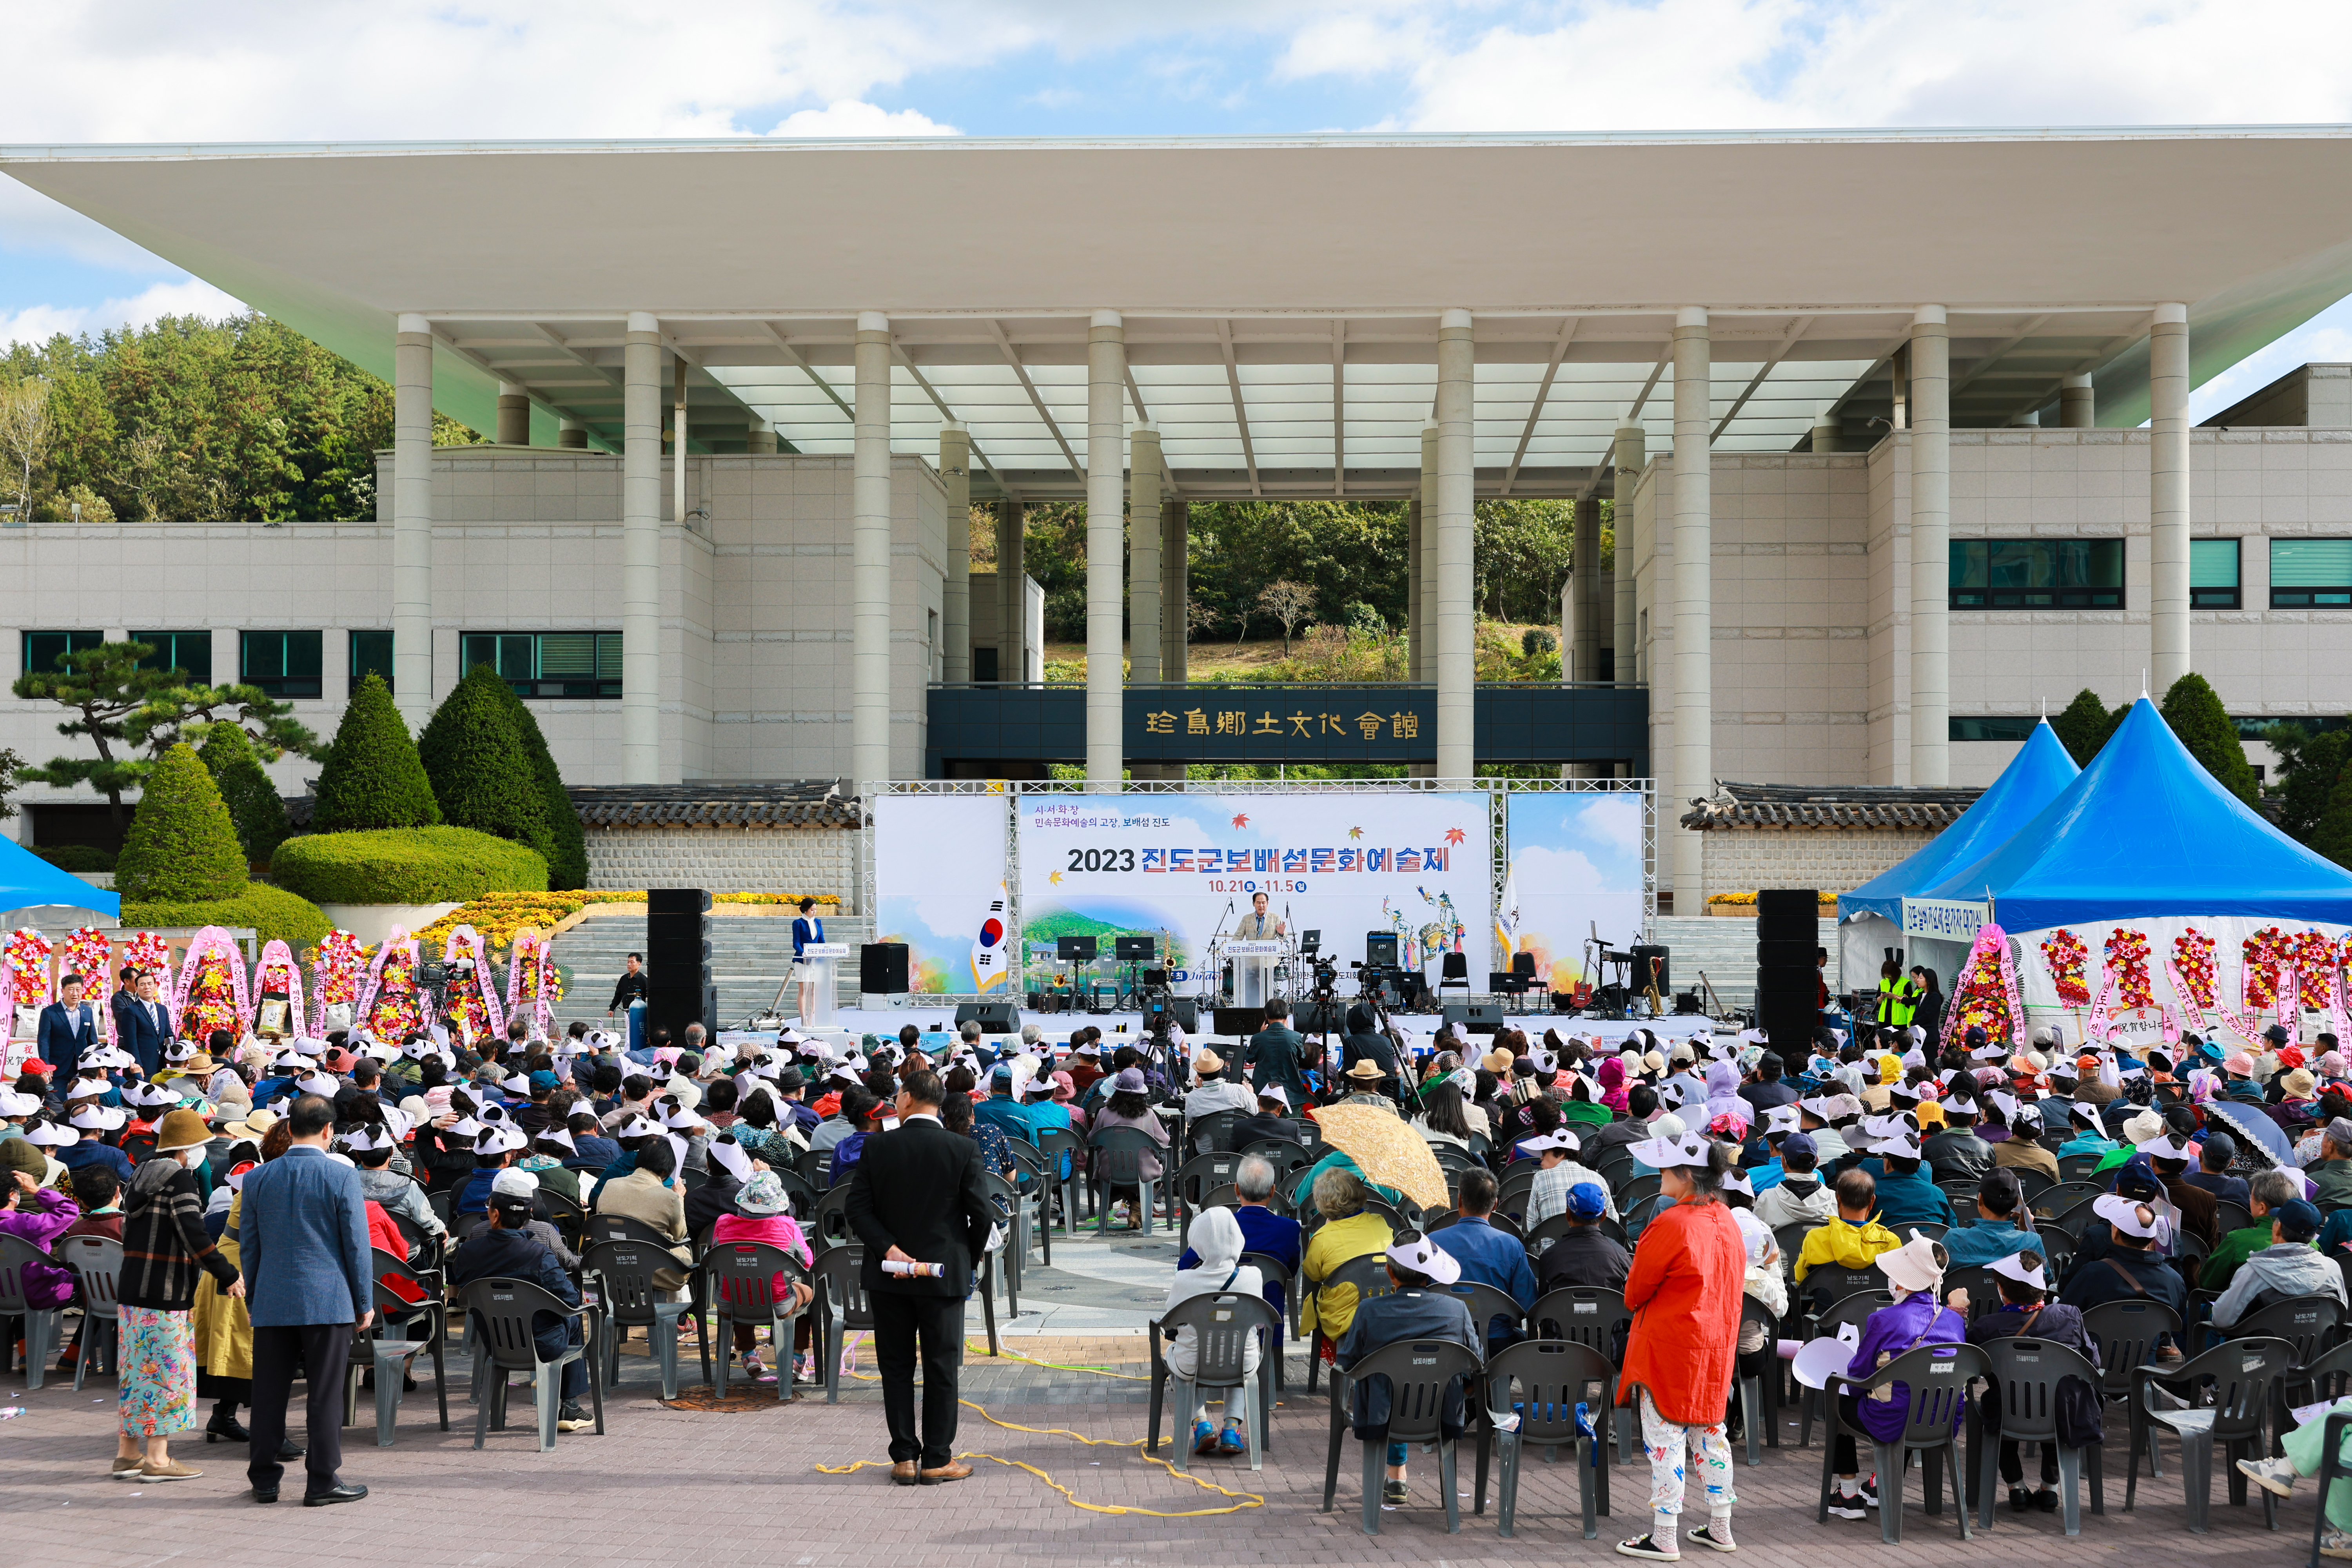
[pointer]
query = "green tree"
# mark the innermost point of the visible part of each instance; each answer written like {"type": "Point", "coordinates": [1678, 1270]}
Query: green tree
{"type": "Point", "coordinates": [2309, 766]}
{"type": "Point", "coordinates": [105, 687]}
{"type": "Point", "coordinates": [254, 804]}
{"type": "Point", "coordinates": [374, 778]}
{"type": "Point", "coordinates": [566, 846]}
{"type": "Point", "coordinates": [480, 773]}
{"type": "Point", "coordinates": [2085, 725]}
{"type": "Point", "coordinates": [182, 847]}
{"type": "Point", "coordinates": [2195, 712]}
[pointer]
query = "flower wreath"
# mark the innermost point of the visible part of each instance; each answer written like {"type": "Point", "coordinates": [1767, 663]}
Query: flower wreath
{"type": "Point", "coordinates": [342, 965]}
{"type": "Point", "coordinates": [1987, 995]}
{"type": "Point", "coordinates": [2068, 958]}
{"type": "Point", "coordinates": [473, 1001]}
{"type": "Point", "coordinates": [389, 1003]}
{"type": "Point", "coordinates": [279, 972]}
{"type": "Point", "coordinates": [90, 951]}
{"type": "Point", "coordinates": [211, 992]}
{"type": "Point", "coordinates": [27, 958]}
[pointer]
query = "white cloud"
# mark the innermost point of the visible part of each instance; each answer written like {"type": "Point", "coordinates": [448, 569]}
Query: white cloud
{"type": "Point", "coordinates": [190, 296]}
{"type": "Point", "coordinates": [1615, 820]}
{"type": "Point", "coordinates": [849, 117]}
{"type": "Point", "coordinates": [1551, 873]}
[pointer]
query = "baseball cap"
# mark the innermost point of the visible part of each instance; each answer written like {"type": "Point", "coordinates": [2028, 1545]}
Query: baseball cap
{"type": "Point", "coordinates": [1588, 1200]}
{"type": "Point", "coordinates": [2297, 1219]}
{"type": "Point", "coordinates": [1801, 1144]}
{"type": "Point", "coordinates": [516, 1182]}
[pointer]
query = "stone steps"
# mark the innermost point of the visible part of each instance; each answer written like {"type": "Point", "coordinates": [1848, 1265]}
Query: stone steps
{"type": "Point", "coordinates": [1726, 949]}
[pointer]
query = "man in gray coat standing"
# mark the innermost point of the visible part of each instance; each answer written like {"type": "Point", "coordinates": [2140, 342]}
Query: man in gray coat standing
{"type": "Point", "coordinates": [304, 1240]}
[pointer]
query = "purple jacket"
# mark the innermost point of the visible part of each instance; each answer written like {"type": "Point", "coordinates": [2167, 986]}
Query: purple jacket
{"type": "Point", "coordinates": [47, 1285]}
{"type": "Point", "coordinates": [1893, 1330]}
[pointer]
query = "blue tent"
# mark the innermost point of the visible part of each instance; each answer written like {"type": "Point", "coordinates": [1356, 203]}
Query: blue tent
{"type": "Point", "coordinates": [26, 879]}
{"type": "Point", "coordinates": [2034, 778]}
{"type": "Point", "coordinates": [2147, 832]}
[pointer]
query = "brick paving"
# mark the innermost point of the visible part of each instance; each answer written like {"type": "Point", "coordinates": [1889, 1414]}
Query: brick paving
{"type": "Point", "coordinates": [672, 1486]}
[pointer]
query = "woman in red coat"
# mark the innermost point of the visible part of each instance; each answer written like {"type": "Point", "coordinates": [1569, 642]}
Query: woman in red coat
{"type": "Point", "coordinates": [1685, 1289]}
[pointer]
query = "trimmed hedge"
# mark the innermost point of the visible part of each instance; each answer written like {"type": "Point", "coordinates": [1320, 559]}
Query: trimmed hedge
{"type": "Point", "coordinates": [372, 777]}
{"type": "Point", "coordinates": [480, 773]}
{"type": "Point", "coordinates": [182, 845]}
{"type": "Point", "coordinates": [76, 856]}
{"type": "Point", "coordinates": [406, 865]}
{"type": "Point", "coordinates": [276, 914]}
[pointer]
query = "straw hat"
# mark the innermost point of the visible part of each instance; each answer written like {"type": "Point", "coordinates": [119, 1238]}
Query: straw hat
{"type": "Point", "coordinates": [180, 1129]}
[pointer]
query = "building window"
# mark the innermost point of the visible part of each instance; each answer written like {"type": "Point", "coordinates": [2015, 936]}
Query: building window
{"type": "Point", "coordinates": [2037, 574]}
{"type": "Point", "coordinates": [984, 663]}
{"type": "Point", "coordinates": [549, 664]}
{"type": "Point", "coordinates": [2213, 574]}
{"type": "Point", "coordinates": [283, 664]}
{"type": "Point", "coordinates": [45, 652]}
{"type": "Point", "coordinates": [371, 654]}
{"type": "Point", "coordinates": [191, 652]}
{"type": "Point", "coordinates": [2311, 574]}
{"type": "Point", "coordinates": [1990, 728]}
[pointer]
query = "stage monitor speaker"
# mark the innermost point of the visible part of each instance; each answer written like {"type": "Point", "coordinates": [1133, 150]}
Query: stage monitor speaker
{"type": "Point", "coordinates": [882, 968]}
{"type": "Point", "coordinates": [677, 901]}
{"type": "Point", "coordinates": [1134, 949]}
{"type": "Point", "coordinates": [1646, 977]}
{"type": "Point", "coordinates": [1474, 1018]}
{"type": "Point", "coordinates": [1789, 903]}
{"type": "Point", "coordinates": [993, 1018]}
{"type": "Point", "coordinates": [1687, 1004]}
{"type": "Point", "coordinates": [1380, 948]}
{"type": "Point", "coordinates": [1185, 1011]}
{"type": "Point", "coordinates": [1237, 1022]}
{"type": "Point", "coordinates": [1073, 949]}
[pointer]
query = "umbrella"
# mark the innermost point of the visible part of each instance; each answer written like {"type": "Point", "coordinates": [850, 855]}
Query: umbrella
{"type": "Point", "coordinates": [2257, 1134]}
{"type": "Point", "coordinates": [1388, 1152]}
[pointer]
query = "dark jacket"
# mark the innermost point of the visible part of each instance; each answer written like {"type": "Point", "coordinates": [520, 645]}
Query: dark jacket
{"type": "Point", "coordinates": [628, 989]}
{"type": "Point", "coordinates": [141, 1031]}
{"type": "Point", "coordinates": [1583, 1257]}
{"type": "Point", "coordinates": [62, 1045]}
{"type": "Point", "coordinates": [2200, 1211]}
{"type": "Point", "coordinates": [165, 1244]}
{"type": "Point", "coordinates": [1956, 1154]}
{"type": "Point", "coordinates": [1275, 1055]}
{"type": "Point", "coordinates": [917, 1187]}
{"type": "Point", "coordinates": [495, 1254]}
{"type": "Point", "coordinates": [2121, 1275]}
{"type": "Point", "coordinates": [1264, 1130]}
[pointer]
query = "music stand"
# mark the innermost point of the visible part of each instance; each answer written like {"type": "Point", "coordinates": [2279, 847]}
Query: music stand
{"type": "Point", "coordinates": [1132, 950]}
{"type": "Point", "coordinates": [1075, 950]}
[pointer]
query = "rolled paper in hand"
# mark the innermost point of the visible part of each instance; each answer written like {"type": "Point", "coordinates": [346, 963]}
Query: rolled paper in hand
{"type": "Point", "coordinates": [914, 1270]}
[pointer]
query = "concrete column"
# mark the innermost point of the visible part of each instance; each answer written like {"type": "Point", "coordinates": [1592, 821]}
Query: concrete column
{"type": "Point", "coordinates": [1175, 591]}
{"type": "Point", "coordinates": [1825, 431]}
{"type": "Point", "coordinates": [1458, 672]}
{"type": "Point", "coordinates": [1416, 631]}
{"type": "Point", "coordinates": [2167, 498]}
{"type": "Point", "coordinates": [869, 560]}
{"type": "Point", "coordinates": [1693, 599]}
{"type": "Point", "coordinates": [1427, 602]}
{"type": "Point", "coordinates": [2077, 401]}
{"type": "Point", "coordinates": [1585, 590]}
{"type": "Point", "coordinates": [1012, 598]}
{"type": "Point", "coordinates": [571, 436]}
{"type": "Point", "coordinates": [761, 437]}
{"type": "Point", "coordinates": [1931, 555]}
{"type": "Point", "coordinates": [1106, 548]}
{"type": "Point", "coordinates": [412, 521]}
{"type": "Point", "coordinates": [678, 426]}
{"type": "Point", "coordinates": [514, 415]}
{"type": "Point", "coordinates": [641, 396]}
{"type": "Point", "coordinates": [955, 594]}
{"type": "Point", "coordinates": [1629, 458]}
{"type": "Point", "coordinates": [1143, 573]}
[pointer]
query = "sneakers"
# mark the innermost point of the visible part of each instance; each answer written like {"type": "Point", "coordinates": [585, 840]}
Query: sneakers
{"type": "Point", "coordinates": [1648, 1547]}
{"type": "Point", "coordinates": [2337, 1544]}
{"type": "Point", "coordinates": [1204, 1437]}
{"type": "Point", "coordinates": [572, 1417]}
{"type": "Point", "coordinates": [1230, 1440]}
{"type": "Point", "coordinates": [1842, 1506]}
{"type": "Point", "coordinates": [757, 1369]}
{"type": "Point", "coordinates": [1392, 1493]}
{"type": "Point", "coordinates": [2270, 1475]}
{"type": "Point", "coordinates": [1704, 1535]}
{"type": "Point", "coordinates": [1870, 1491]}
{"type": "Point", "coordinates": [169, 1470]}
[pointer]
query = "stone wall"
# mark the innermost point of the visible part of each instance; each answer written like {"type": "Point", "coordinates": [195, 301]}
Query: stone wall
{"type": "Point", "coordinates": [728, 859]}
{"type": "Point", "coordinates": [1742, 860]}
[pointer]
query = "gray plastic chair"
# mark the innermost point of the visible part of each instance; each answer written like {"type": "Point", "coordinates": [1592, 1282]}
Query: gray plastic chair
{"type": "Point", "coordinates": [1589, 1315]}
{"type": "Point", "coordinates": [841, 1294]}
{"type": "Point", "coordinates": [1419, 1373]}
{"type": "Point", "coordinates": [739, 1280]}
{"type": "Point", "coordinates": [2244, 1374]}
{"type": "Point", "coordinates": [502, 1310]}
{"type": "Point", "coordinates": [631, 1300]}
{"type": "Point", "coordinates": [1118, 1156]}
{"type": "Point", "coordinates": [1370, 1276]}
{"type": "Point", "coordinates": [97, 1263]}
{"type": "Point", "coordinates": [1937, 1378]}
{"type": "Point", "coordinates": [1552, 1375]}
{"type": "Point", "coordinates": [43, 1326]}
{"type": "Point", "coordinates": [1223, 1327]}
{"type": "Point", "coordinates": [390, 1359]}
{"type": "Point", "coordinates": [2022, 1400]}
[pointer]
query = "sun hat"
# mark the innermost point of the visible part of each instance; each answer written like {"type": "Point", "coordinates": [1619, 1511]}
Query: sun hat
{"type": "Point", "coordinates": [2299, 1083]}
{"type": "Point", "coordinates": [1128, 1080]}
{"type": "Point", "coordinates": [2171, 1146]}
{"type": "Point", "coordinates": [760, 1197]}
{"type": "Point", "coordinates": [2142, 1127]}
{"type": "Point", "coordinates": [365, 1140]}
{"type": "Point", "coordinates": [514, 1181]}
{"type": "Point", "coordinates": [1365, 1069]}
{"type": "Point", "coordinates": [2123, 1212]}
{"type": "Point", "coordinates": [14, 1104]}
{"type": "Point", "coordinates": [1736, 1181]}
{"type": "Point", "coordinates": [49, 1135]}
{"type": "Point", "coordinates": [1896, 1146]}
{"type": "Point", "coordinates": [1681, 1148]}
{"type": "Point", "coordinates": [1559, 1138]}
{"type": "Point", "coordinates": [28, 1159]}
{"type": "Point", "coordinates": [180, 1129]}
{"type": "Point", "coordinates": [1424, 1256]}
{"type": "Point", "coordinates": [1208, 1062]}
{"type": "Point", "coordinates": [2013, 1266]}
{"type": "Point", "coordinates": [2239, 1064]}
{"type": "Point", "coordinates": [96, 1118]}
{"type": "Point", "coordinates": [1915, 1266]}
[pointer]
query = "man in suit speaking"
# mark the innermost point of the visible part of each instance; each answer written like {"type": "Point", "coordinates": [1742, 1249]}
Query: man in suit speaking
{"type": "Point", "coordinates": [917, 1201]}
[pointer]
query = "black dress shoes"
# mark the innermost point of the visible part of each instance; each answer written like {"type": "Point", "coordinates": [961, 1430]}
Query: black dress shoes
{"type": "Point", "coordinates": [287, 1449]}
{"type": "Point", "coordinates": [265, 1494]}
{"type": "Point", "coordinates": [344, 1493]}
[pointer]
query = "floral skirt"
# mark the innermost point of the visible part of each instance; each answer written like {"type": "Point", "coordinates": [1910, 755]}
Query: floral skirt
{"type": "Point", "coordinates": [159, 1373]}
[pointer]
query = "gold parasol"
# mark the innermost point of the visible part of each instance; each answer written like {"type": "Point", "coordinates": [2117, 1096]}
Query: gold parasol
{"type": "Point", "coordinates": [1386, 1149]}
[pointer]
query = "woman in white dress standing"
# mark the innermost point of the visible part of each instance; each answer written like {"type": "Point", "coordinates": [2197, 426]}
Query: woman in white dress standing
{"type": "Point", "coordinates": [806, 928]}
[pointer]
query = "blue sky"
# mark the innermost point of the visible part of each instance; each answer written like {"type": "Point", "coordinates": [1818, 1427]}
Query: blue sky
{"type": "Point", "coordinates": [149, 70]}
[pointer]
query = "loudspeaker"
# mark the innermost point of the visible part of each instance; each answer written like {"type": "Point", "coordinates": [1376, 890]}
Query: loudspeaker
{"type": "Point", "coordinates": [677, 901]}
{"type": "Point", "coordinates": [1777, 952]}
{"type": "Point", "coordinates": [1135, 949]}
{"type": "Point", "coordinates": [882, 968]}
{"type": "Point", "coordinates": [1644, 976]}
{"type": "Point", "coordinates": [1186, 1011]}
{"type": "Point", "coordinates": [1789, 903]}
{"type": "Point", "coordinates": [1380, 948]}
{"type": "Point", "coordinates": [665, 950]}
{"type": "Point", "coordinates": [678, 985]}
{"type": "Point", "coordinates": [993, 1018]}
{"type": "Point", "coordinates": [1475, 1018]}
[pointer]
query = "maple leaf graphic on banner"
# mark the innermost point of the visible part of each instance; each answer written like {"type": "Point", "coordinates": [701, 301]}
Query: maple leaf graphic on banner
{"type": "Point", "coordinates": [1355, 833]}
{"type": "Point", "coordinates": [1057, 876]}
{"type": "Point", "coordinates": [1454, 836]}
{"type": "Point", "coordinates": [1242, 820]}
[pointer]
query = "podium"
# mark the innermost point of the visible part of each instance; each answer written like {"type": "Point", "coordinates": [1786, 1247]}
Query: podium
{"type": "Point", "coordinates": [1252, 964]}
{"type": "Point", "coordinates": [824, 960]}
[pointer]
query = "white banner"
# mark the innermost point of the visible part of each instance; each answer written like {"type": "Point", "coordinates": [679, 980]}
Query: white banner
{"type": "Point", "coordinates": [1183, 866]}
{"type": "Point", "coordinates": [1946, 919]}
{"type": "Point", "coordinates": [1576, 867]}
{"type": "Point", "coordinates": [938, 866]}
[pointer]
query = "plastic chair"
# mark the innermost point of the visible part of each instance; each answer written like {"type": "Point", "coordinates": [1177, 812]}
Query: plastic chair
{"type": "Point", "coordinates": [97, 1263]}
{"type": "Point", "coordinates": [1826, 1284]}
{"type": "Point", "coordinates": [2070, 1219]}
{"type": "Point", "coordinates": [2023, 1375]}
{"type": "Point", "coordinates": [1544, 1234]}
{"type": "Point", "coordinates": [631, 1300]}
{"type": "Point", "coordinates": [502, 1310]}
{"type": "Point", "coordinates": [799, 1192]}
{"type": "Point", "coordinates": [2034, 1182]}
{"type": "Point", "coordinates": [1281, 1153]}
{"type": "Point", "coordinates": [1552, 1376]}
{"type": "Point", "coordinates": [1224, 1328]}
{"type": "Point", "coordinates": [1638, 1217]}
{"type": "Point", "coordinates": [1760, 1394]}
{"type": "Point", "coordinates": [1638, 1188]}
{"type": "Point", "coordinates": [1597, 1318]}
{"type": "Point", "coordinates": [1370, 1276]}
{"type": "Point", "coordinates": [43, 1325]}
{"type": "Point", "coordinates": [390, 1359]}
{"type": "Point", "coordinates": [739, 1280]}
{"type": "Point", "coordinates": [1615, 1169]}
{"type": "Point", "coordinates": [1067, 1151]}
{"type": "Point", "coordinates": [2229, 1216]}
{"type": "Point", "coordinates": [2245, 1374]}
{"type": "Point", "coordinates": [1272, 1269]}
{"type": "Point", "coordinates": [1937, 1377]}
{"type": "Point", "coordinates": [570, 1220]}
{"type": "Point", "coordinates": [2077, 1167]}
{"type": "Point", "coordinates": [620, 1227]}
{"type": "Point", "coordinates": [2330, 1468]}
{"type": "Point", "coordinates": [1214, 1131]}
{"type": "Point", "coordinates": [1195, 1180]}
{"type": "Point", "coordinates": [1419, 1374]}
{"type": "Point", "coordinates": [1980, 1282]}
{"type": "Point", "coordinates": [828, 1223]}
{"type": "Point", "coordinates": [1486, 1303]}
{"type": "Point", "coordinates": [841, 1296]}
{"type": "Point", "coordinates": [2128, 1334]}
{"type": "Point", "coordinates": [1855, 1310]}
{"type": "Point", "coordinates": [1118, 1156]}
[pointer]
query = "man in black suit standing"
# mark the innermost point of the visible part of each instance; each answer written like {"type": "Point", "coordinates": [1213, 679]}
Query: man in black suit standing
{"type": "Point", "coordinates": [143, 1024]}
{"type": "Point", "coordinates": [917, 1201]}
{"type": "Point", "coordinates": [67, 1029]}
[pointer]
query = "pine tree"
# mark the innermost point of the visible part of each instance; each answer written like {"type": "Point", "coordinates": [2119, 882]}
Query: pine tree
{"type": "Point", "coordinates": [253, 801]}
{"type": "Point", "coordinates": [481, 772]}
{"type": "Point", "coordinates": [2195, 712]}
{"type": "Point", "coordinates": [182, 847]}
{"type": "Point", "coordinates": [565, 845]}
{"type": "Point", "coordinates": [2085, 726]}
{"type": "Point", "coordinates": [2332, 836]}
{"type": "Point", "coordinates": [372, 777]}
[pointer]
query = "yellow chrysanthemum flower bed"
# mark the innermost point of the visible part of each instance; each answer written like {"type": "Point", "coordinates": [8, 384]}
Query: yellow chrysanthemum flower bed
{"type": "Point", "coordinates": [497, 916]}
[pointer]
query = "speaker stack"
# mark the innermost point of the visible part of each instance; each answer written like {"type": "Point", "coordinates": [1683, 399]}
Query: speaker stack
{"type": "Point", "coordinates": [679, 986]}
{"type": "Point", "coordinates": [1788, 934]}
{"type": "Point", "coordinates": [882, 968]}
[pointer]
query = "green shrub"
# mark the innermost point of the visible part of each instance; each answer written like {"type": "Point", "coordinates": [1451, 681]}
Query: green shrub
{"type": "Point", "coordinates": [565, 844]}
{"type": "Point", "coordinates": [276, 914]}
{"type": "Point", "coordinates": [182, 845]}
{"type": "Point", "coordinates": [475, 757]}
{"type": "Point", "coordinates": [76, 856]}
{"type": "Point", "coordinates": [2085, 725]}
{"type": "Point", "coordinates": [254, 805]}
{"type": "Point", "coordinates": [372, 777]}
{"type": "Point", "coordinates": [2195, 712]}
{"type": "Point", "coordinates": [406, 865]}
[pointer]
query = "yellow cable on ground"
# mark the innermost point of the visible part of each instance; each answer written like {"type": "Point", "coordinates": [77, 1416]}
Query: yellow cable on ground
{"type": "Point", "coordinates": [970, 1349]}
